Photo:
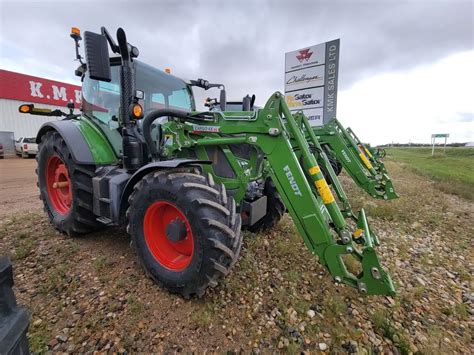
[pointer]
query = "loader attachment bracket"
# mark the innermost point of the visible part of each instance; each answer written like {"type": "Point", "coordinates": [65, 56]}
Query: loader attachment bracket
{"type": "Point", "coordinates": [372, 279]}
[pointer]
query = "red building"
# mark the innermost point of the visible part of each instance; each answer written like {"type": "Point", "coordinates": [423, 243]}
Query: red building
{"type": "Point", "coordinates": [16, 89]}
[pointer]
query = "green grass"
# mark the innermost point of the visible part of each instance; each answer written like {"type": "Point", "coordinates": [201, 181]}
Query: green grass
{"type": "Point", "coordinates": [453, 171]}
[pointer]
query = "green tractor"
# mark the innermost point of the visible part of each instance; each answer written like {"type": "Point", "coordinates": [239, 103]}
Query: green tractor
{"type": "Point", "coordinates": [184, 183]}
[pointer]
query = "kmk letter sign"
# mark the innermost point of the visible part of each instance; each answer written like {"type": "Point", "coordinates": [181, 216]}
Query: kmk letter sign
{"type": "Point", "coordinates": [311, 81]}
{"type": "Point", "coordinates": [27, 88]}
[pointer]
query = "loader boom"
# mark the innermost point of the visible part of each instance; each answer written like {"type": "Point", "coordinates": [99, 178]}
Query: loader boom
{"type": "Point", "coordinates": [366, 169]}
{"type": "Point", "coordinates": [293, 167]}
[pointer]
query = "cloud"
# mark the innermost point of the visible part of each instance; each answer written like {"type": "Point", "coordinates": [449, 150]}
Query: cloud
{"type": "Point", "coordinates": [240, 43]}
{"type": "Point", "coordinates": [410, 105]}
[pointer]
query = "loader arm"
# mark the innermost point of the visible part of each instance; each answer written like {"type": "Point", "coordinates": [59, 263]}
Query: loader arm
{"type": "Point", "coordinates": [373, 158]}
{"type": "Point", "coordinates": [365, 169]}
{"type": "Point", "coordinates": [293, 167]}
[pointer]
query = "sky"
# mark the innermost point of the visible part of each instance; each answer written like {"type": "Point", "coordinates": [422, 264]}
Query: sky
{"type": "Point", "coordinates": [406, 67]}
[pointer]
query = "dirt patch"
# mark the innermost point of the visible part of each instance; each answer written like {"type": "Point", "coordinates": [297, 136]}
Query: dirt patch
{"type": "Point", "coordinates": [18, 191]}
{"type": "Point", "coordinates": [89, 294]}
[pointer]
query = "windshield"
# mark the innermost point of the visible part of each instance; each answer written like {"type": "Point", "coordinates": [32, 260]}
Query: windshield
{"type": "Point", "coordinates": [161, 89]}
{"type": "Point", "coordinates": [101, 99]}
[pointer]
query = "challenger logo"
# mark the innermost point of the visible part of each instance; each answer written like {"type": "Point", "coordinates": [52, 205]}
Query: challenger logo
{"type": "Point", "coordinates": [292, 181]}
{"type": "Point", "coordinates": [304, 55]}
{"type": "Point", "coordinates": [303, 79]}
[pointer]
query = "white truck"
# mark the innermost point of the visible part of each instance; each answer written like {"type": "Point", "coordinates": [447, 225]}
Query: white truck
{"type": "Point", "coordinates": [26, 147]}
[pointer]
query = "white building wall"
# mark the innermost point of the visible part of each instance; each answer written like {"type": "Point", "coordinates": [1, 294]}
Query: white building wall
{"type": "Point", "coordinates": [24, 125]}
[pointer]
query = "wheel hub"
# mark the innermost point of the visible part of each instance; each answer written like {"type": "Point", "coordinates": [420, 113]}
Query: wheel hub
{"type": "Point", "coordinates": [58, 184]}
{"type": "Point", "coordinates": [176, 231]}
{"type": "Point", "coordinates": [168, 235]}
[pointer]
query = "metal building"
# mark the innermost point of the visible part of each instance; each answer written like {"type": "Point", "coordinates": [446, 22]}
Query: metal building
{"type": "Point", "coordinates": [17, 89]}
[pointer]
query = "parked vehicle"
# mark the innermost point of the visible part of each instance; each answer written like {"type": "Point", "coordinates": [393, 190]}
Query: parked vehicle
{"type": "Point", "coordinates": [26, 147]}
{"type": "Point", "coordinates": [1, 151]}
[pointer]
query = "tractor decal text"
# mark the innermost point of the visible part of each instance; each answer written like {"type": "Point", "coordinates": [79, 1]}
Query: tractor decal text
{"type": "Point", "coordinates": [344, 154]}
{"type": "Point", "coordinates": [292, 181]}
{"type": "Point", "coordinates": [206, 129]}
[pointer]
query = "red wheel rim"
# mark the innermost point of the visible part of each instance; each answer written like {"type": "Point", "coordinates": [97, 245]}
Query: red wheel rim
{"type": "Point", "coordinates": [58, 184]}
{"type": "Point", "coordinates": [173, 255]}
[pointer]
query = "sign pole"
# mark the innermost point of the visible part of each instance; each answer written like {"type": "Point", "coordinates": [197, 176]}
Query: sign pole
{"type": "Point", "coordinates": [433, 140]}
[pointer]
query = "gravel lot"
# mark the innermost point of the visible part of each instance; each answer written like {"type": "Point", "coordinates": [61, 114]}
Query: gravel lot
{"type": "Point", "coordinates": [18, 192]}
{"type": "Point", "coordinates": [89, 294]}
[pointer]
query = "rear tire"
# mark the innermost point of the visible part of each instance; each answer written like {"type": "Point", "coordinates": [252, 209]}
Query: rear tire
{"type": "Point", "coordinates": [69, 208]}
{"type": "Point", "coordinates": [185, 230]}
{"type": "Point", "coordinates": [275, 209]}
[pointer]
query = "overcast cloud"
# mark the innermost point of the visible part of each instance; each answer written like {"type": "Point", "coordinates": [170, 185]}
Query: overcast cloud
{"type": "Point", "coordinates": [242, 44]}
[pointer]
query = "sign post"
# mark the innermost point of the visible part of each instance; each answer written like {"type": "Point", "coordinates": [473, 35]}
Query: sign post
{"type": "Point", "coordinates": [439, 135]}
{"type": "Point", "coordinates": [311, 81]}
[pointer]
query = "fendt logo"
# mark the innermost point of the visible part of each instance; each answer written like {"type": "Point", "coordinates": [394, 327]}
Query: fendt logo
{"type": "Point", "coordinates": [304, 55]}
{"type": "Point", "coordinates": [344, 154]}
{"type": "Point", "coordinates": [292, 181]}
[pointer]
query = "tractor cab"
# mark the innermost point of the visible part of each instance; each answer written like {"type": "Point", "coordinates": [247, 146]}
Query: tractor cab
{"type": "Point", "coordinates": [158, 90]}
{"type": "Point", "coordinates": [101, 99]}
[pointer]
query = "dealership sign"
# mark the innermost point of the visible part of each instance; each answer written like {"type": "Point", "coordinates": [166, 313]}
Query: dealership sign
{"type": "Point", "coordinates": [26, 88]}
{"type": "Point", "coordinates": [311, 81]}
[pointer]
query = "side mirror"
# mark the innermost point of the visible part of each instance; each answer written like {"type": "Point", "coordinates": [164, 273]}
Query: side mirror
{"type": "Point", "coordinates": [97, 56]}
{"type": "Point", "coordinates": [223, 100]}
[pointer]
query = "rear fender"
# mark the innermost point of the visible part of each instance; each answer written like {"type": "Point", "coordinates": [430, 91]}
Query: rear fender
{"type": "Point", "coordinates": [85, 142]}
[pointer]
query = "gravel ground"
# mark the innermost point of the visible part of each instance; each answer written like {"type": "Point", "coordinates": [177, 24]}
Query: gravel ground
{"type": "Point", "coordinates": [89, 294]}
{"type": "Point", "coordinates": [18, 193]}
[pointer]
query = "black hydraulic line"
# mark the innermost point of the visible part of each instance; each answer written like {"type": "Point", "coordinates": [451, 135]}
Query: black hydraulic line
{"type": "Point", "coordinates": [151, 117]}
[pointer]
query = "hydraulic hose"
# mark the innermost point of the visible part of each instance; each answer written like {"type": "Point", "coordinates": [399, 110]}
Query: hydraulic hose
{"type": "Point", "coordinates": [151, 117]}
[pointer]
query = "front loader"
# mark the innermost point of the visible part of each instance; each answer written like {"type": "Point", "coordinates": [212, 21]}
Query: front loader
{"type": "Point", "coordinates": [366, 169]}
{"type": "Point", "coordinates": [343, 149]}
{"type": "Point", "coordinates": [184, 183]}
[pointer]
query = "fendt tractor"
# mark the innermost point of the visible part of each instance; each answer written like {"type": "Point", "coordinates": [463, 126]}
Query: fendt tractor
{"type": "Point", "coordinates": [184, 183]}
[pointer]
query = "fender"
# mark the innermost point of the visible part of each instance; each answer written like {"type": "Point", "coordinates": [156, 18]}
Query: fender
{"type": "Point", "coordinates": [85, 142]}
{"type": "Point", "coordinates": [144, 170]}
{"type": "Point", "coordinates": [72, 136]}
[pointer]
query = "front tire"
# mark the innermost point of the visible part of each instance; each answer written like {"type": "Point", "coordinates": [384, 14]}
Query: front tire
{"type": "Point", "coordinates": [65, 187]}
{"type": "Point", "coordinates": [185, 230]}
